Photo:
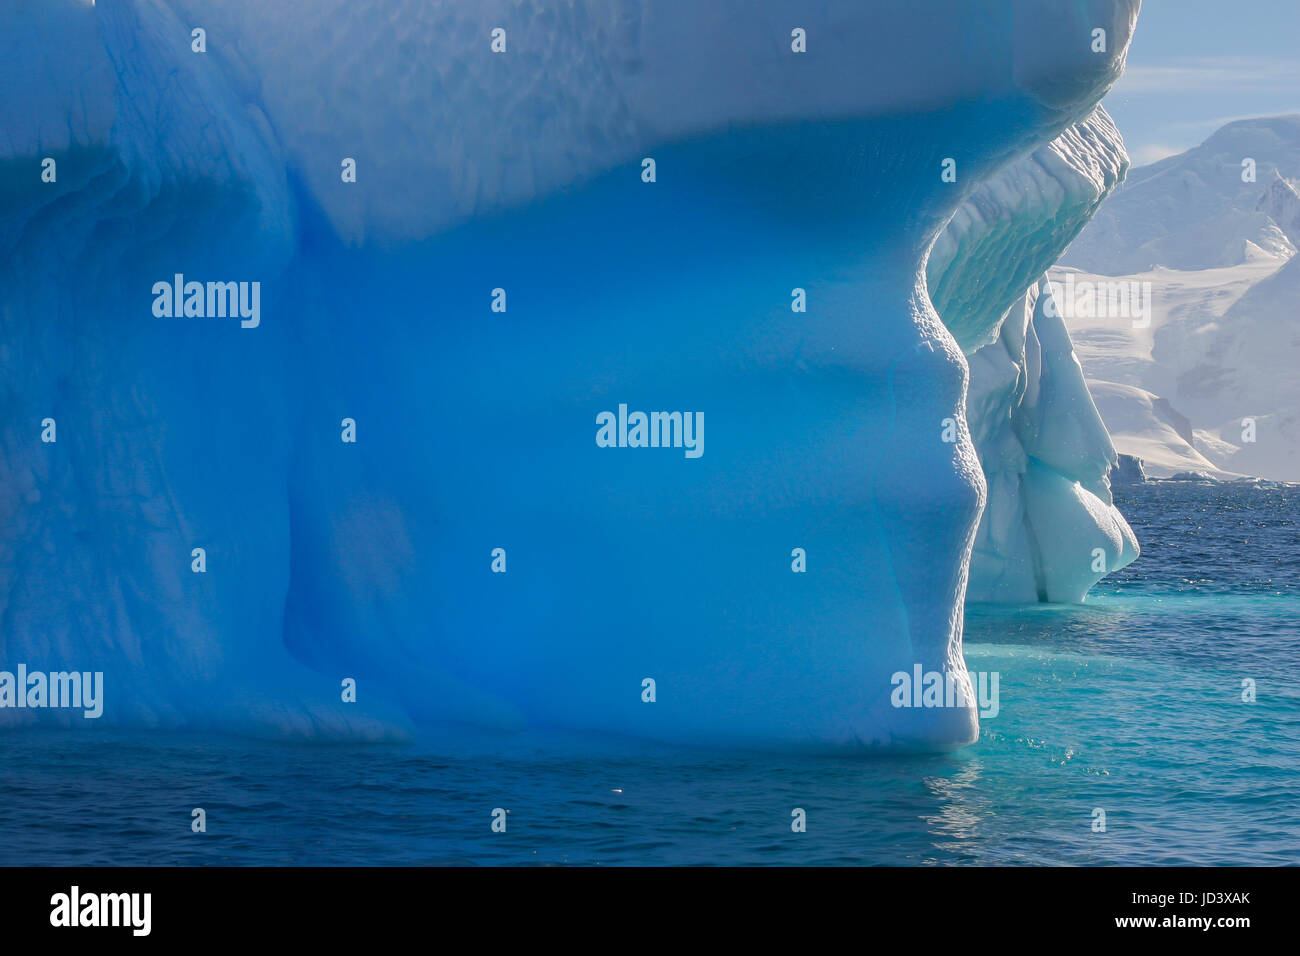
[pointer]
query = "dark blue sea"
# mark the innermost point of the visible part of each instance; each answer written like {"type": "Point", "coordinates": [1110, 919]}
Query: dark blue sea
{"type": "Point", "coordinates": [1131, 704]}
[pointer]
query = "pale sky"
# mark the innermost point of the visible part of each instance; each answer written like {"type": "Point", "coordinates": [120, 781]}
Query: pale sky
{"type": "Point", "coordinates": [1195, 65]}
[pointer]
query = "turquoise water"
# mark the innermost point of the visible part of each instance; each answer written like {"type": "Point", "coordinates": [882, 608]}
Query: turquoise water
{"type": "Point", "coordinates": [1131, 704]}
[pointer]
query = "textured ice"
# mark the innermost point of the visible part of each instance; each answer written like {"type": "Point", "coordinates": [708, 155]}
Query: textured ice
{"type": "Point", "coordinates": [1021, 219]}
{"type": "Point", "coordinates": [1050, 529]}
{"type": "Point", "coordinates": [475, 429]}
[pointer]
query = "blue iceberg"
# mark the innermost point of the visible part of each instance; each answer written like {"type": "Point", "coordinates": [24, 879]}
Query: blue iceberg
{"type": "Point", "coordinates": [476, 230]}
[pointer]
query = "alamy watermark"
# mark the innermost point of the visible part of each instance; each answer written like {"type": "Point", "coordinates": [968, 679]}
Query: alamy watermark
{"type": "Point", "coordinates": [1100, 299]}
{"type": "Point", "coordinates": [651, 430]}
{"type": "Point", "coordinates": [211, 300]}
{"type": "Point", "coordinates": [82, 690]}
{"type": "Point", "coordinates": [945, 689]}
{"type": "Point", "coordinates": [75, 908]}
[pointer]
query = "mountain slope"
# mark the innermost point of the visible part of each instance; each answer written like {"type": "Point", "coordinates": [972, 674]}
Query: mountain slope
{"type": "Point", "coordinates": [1212, 257]}
{"type": "Point", "coordinates": [1195, 211]}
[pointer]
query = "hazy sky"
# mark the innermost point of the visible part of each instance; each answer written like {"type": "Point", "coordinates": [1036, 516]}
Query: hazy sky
{"type": "Point", "coordinates": [1197, 64]}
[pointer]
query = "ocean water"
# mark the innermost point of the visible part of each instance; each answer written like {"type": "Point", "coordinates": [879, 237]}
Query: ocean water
{"type": "Point", "coordinates": [1130, 704]}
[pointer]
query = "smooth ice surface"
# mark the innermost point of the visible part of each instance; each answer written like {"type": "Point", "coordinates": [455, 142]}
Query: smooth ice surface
{"type": "Point", "coordinates": [476, 429]}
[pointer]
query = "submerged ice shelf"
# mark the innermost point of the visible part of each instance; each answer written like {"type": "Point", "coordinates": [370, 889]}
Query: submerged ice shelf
{"type": "Point", "coordinates": [475, 428]}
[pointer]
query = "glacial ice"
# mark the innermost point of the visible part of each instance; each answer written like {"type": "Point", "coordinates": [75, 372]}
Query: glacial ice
{"type": "Point", "coordinates": [1050, 529]}
{"type": "Point", "coordinates": [475, 429]}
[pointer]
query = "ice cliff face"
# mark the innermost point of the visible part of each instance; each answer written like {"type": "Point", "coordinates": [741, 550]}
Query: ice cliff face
{"type": "Point", "coordinates": [476, 428]}
{"type": "Point", "coordinates": [1050, 529]}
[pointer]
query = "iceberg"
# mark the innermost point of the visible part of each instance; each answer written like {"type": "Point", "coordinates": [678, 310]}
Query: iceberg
{"type": "Point", "coordinates": [475, 229]}
{"type": "Point", "coordinates": [1050, 530]}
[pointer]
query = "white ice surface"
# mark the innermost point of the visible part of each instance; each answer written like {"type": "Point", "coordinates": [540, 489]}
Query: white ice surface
{"type": "Point", "coordinates": [1050, 530]}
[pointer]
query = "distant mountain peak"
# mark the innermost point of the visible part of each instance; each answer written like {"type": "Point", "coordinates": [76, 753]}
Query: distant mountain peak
{"type": "Point", "coordinates": [1214, 232]}
{"type": "Point", "coordinates": [1213, 206]}
{"type": "Point", "coordinates": [1281, 203]}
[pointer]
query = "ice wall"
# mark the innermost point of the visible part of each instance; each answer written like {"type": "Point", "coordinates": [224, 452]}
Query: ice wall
{"type": "Point", "coordinates": [1050, 530]}
{"type": "Point", "coordinates": [476, 429]}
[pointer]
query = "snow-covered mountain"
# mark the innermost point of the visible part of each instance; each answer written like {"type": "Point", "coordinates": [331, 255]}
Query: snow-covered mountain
{"type": "Point", "coordinates": [1203, 245]}
{"type": "Point", "coordinates": [1199, 209]}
